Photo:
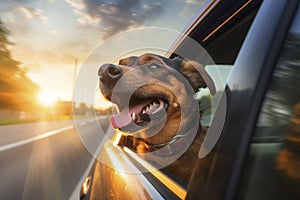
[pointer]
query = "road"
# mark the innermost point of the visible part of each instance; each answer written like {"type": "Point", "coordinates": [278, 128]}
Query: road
{"type": "Point", "coordinates": [47, 160]}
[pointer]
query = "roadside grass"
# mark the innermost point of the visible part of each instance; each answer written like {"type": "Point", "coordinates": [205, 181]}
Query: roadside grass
{"type": "Point", "coordinates": [49, 118]}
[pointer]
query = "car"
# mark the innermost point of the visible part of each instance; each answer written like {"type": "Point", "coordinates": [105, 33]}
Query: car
{"type": "Point", "coordinates": [256, 125]}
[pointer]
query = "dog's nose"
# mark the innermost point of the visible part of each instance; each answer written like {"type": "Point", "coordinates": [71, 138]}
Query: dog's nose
{"type": "Point", "coordinates": [109, 73]}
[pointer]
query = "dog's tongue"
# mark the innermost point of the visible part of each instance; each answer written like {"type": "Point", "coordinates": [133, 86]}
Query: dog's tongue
{"type": "Point", "coordinates": [125, 117]}
{"type": "Point", "coordinates": [122, 119]}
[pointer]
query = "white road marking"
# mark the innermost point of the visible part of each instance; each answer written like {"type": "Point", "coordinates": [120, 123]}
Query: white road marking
{"type": "Point", "coordinates": [82, 123]}
{"type": "Point", "coordinates": [35, 138]}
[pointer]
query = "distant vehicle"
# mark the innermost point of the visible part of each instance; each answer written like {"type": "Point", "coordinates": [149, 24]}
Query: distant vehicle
{"type": "Point", "coordinates": [258, 153]}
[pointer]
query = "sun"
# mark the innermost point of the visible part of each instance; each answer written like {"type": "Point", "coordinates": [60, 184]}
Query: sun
{"type": "Point", "coordinates": [46, 98]}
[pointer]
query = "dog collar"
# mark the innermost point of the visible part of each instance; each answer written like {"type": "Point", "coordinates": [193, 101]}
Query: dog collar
{"type": "Point", "coordinates": [178, 144]}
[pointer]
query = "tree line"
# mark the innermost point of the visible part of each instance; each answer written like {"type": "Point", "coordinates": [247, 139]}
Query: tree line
{"type": "Point", "coordinates": [17, 91]}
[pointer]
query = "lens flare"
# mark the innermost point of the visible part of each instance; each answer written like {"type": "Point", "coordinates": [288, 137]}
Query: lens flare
{"type": "Point", "coordinates": [46, 98]}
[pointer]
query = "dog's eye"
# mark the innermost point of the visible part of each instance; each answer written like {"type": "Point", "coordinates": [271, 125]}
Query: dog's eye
{"type": "Point", "coordinates": [153, 66]}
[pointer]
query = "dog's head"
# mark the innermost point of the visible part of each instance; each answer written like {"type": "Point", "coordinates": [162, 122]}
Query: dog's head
{"type": "Point", "coordinates": [150, 92]}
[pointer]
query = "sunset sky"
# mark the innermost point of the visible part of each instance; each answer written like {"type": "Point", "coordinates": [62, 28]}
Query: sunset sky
{"type": "Point", "coordinates": [49, 35]}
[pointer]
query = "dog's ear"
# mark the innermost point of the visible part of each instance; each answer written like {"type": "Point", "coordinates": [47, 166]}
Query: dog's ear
{"type": "Point", "coordinates": [197, 76]}
{"type": "Point", "coordinates": [129, 61]}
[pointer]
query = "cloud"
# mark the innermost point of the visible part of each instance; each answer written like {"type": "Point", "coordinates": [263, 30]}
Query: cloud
{"type": "Point", "coordinates": [19, 2]}
{"type": "Point", "coordinates": [38, 59]}
{"type": "Point", "coordinates": [116, 16]}
{"type": "Point", "coordinates": [21, 19]}
{"type": "Point", "coordinates": [54, 58]}
{"type": "Point", "coordinates": [195, 2]}
{"type": "Point", "coordinates": [28, 13]}
{"type": "Point", "coordinates": [190, 6]}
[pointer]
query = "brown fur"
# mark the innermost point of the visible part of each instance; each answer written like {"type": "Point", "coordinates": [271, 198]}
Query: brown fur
{"type": "Point", "coordinates": [171, 87]}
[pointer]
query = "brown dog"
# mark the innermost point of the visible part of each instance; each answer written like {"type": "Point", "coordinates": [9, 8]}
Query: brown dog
{"type": "Point", "coordinates": [157, 109]}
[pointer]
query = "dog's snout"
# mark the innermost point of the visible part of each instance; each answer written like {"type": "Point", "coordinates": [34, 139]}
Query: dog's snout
{"type": "Point", "coordinates": [109, 72]}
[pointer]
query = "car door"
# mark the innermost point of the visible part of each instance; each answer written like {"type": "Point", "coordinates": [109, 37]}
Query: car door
{"type": "Point", "coordinates": [272, 165]}
{"type": "Point", "coordinates": [257, 154]}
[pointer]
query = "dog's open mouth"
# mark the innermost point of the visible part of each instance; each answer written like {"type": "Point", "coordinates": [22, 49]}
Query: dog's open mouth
{"type": "Point", "coordinates": [139, 114]}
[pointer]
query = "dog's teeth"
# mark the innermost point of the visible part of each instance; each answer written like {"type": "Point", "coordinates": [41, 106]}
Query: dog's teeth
{"type": "Point", "coordinates": [133, 116]}
{"type": "Point", "coordinates": [154, 108]}
{"type": "Point", "coordinates": [144, 111]}
{"type": "Point", "coordinates": [147, 109]}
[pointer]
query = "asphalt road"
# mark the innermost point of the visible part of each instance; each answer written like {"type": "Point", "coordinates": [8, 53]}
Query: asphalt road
{"type": "Point", "coordinates": [47, 160]}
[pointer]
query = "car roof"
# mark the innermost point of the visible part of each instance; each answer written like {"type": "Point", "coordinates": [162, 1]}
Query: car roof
{"type": "Point", "coordinates": [214, 22]}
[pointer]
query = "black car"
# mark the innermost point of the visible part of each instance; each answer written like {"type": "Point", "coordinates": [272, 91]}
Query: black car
{"type": "Point", "coordinates": [257, 122]}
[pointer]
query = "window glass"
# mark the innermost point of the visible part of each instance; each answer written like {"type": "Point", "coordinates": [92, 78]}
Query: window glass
{"type": "Point", "coordinates": [272, 170]}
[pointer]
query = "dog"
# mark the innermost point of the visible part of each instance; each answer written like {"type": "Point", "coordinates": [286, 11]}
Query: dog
{"type": "Point", "coordinates": [158, 113]}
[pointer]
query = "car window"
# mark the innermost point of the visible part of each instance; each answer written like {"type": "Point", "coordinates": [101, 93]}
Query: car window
{"type": "Point", "coordinates": [272, 168]}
